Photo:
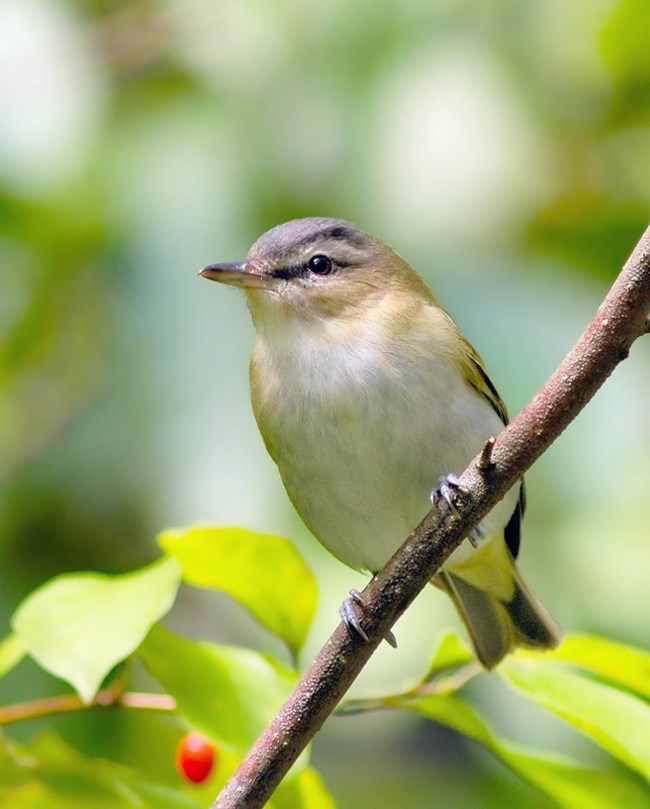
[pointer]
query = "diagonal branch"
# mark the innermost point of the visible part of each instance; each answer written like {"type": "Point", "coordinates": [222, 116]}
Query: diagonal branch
{"type": "Point", "coordinates": [621, 318]}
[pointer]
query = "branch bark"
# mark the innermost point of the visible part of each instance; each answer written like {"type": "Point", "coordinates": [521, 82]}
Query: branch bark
{"type": "Point", "coordinates": [621, 318]}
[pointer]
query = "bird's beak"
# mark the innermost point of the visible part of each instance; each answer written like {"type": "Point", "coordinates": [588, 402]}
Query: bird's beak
{"type": "Point", "coordinates": [236, 273]}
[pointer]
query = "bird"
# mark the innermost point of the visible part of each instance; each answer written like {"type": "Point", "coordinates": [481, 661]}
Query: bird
{"type": "Point", "coordinates": [367, 395]}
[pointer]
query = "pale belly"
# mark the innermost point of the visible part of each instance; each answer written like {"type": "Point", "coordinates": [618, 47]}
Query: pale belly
{"type": "Point", "coordinates": [360, 466]}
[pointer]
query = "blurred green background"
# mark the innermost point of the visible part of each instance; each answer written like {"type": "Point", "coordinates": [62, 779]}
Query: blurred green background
{"type": "Point", "coordinates": [503, 148]}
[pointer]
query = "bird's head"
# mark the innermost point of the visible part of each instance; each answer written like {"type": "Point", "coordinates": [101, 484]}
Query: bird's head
{"type": "Point", "coordinates": [319, 268]}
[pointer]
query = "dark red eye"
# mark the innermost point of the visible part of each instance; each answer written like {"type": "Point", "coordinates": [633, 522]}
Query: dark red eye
{"type": "Point", "coordinates": [320, 265]}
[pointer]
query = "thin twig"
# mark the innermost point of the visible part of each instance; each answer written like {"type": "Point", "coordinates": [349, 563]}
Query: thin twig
{"type": "Point", "coordinates": [443, 684]}
{"type": "Point", "coordinates": [621, 318]}
{"type": "Point", "coordinates": [71, 702]}
{"type": "Point", "coordinates": [485, 461]}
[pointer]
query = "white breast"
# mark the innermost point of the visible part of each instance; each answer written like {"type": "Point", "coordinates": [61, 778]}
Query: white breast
{"type": "Point", "coordinates": [361, 435]}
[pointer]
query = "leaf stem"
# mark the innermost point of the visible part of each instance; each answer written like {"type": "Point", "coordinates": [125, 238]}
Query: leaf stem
{"type": "Point", "coordinates": [107, 698]}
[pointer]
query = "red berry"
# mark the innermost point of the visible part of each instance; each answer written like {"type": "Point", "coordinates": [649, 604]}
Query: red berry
{"type": "Point", "coordinates": [195, 757]}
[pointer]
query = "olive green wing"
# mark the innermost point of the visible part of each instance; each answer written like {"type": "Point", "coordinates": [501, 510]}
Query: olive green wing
{"type": "Point", "coordinates": [473, 370]}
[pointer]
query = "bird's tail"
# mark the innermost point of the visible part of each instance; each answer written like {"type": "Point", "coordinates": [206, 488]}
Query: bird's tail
{"type": "Point", "coordinates": [496, 625]}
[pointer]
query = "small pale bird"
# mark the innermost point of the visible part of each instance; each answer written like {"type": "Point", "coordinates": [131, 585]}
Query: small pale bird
{"type": "Point", "coordinates": [367, 394]}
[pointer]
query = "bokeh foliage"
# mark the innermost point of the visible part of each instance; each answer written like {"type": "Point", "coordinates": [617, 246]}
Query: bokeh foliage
{"type": "Point", "coordinates": [89, 629]}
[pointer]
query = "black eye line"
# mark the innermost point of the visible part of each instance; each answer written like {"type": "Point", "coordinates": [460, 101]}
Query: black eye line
{"type": "Point", "coordinates": [287, 273]}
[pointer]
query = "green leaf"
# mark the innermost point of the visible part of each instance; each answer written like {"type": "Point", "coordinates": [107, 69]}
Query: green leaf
{"type": "Point", "coordinates": [12, 651]}
{"type": "Point", "coordinates": [306, 791]}
{"type": "Point", "coordinates": [48, 774]}
{"type": "Point", "coordinates": [569, 784]}
{"type": "Point", "coordinates": [79, 626]}
{"type": "Point", "coordinates": [616, 720]}
{"type": "Point", "coordinates": [451, 653]}
{"type": "Point", "coordinates": [264, 573]}
{"type": "Point", "coordinates": [624, 665]}
{"type": "Point", "coordinates": [156, 796]}
{"type": "Point", "coordinates": [227, 693]}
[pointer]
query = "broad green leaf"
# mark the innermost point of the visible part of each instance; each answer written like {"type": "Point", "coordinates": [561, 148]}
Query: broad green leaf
{"type": "Point", "coordinates": [264, 573]}
{"type": "Point", "coordinates": [616, 720]}
{"type": "Point", "coordinates": [227, 693]}
{"type": "Point", "coordinates": [48, 774]}
{"type": "Point", "coordinates": [306, 791]}
{"type": "Point", "coordinates": [451, 652]}
{"type": "Point", "coordinates": [314, 793]}
{"type": "Point", "coordinates": [157, 796]}
{"type": "Point", "coordinates": [79, 626]}
{"type": "Point", "coordinates": [12, 651]}
{"type": "Point", "coordinates": [568, 783]}
{"type": "Point", "coordinates": [624, 665]}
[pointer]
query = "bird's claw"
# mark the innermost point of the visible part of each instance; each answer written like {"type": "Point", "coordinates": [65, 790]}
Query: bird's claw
{"type": "Point", "coordinates": [349, 612]}
{"type": "Point", "coordinates": [349, 616]}
{"type": "Point", "coordinates": [476, 535]}
{"type": "Point", "coordinates": [443, 493]}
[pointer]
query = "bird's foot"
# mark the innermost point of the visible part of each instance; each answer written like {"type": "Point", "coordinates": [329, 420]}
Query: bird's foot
{"type": "Point", "coordinates": [349, 615]}
{"type": "Point", "coordinates": [447, 485]}
{"type": "Point", "coordinates": [476, 535]}
{"type": "Point", "coordinates": [349, 612]}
